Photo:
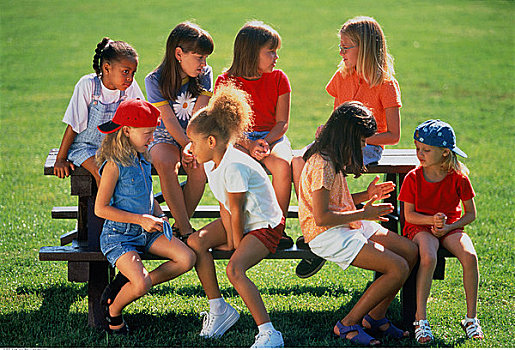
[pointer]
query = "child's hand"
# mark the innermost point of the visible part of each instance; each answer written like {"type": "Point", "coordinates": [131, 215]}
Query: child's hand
{"type": "Point", "coordinates": [440, 231]}
{"type": "Point", "coordinates": [259, 149]}
{"type": "Point", "coordinates": [188, 159]}
{"type": "Point", "coordinates": [62, 168]}
{"type": "Point", "coordinates": [319, 130]}
{"type": "Point", "coordinates": [376, 211]}
{"type": "Point", "coordinates": [439, 220]}
{"type": "Point", "coordinates": [380, 190]}
{"type": "Point", "coordinates": [151, 223]}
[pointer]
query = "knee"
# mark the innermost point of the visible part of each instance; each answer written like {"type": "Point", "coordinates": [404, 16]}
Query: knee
{"type": "Point", "coordinates": [234, 272]}
{"type": "Point", "coordinates": [141, 286]}
{"type": "Point", "coordinates": [469, 260]}
{"type": "Point", "coordinates": [412, 255]}
{"type": "Point", "coordinates": [189, 260]}
{"type": "Point", "coordinates": [400, 270]}
{"type": "Point", "coordinates": [428, 261]}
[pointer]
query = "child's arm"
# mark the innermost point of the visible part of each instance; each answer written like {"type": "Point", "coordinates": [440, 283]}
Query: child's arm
{"type": "Point", "coordinates": [236, 202]}
{"type": "Point", "coordinates": [282, 119]}
{"type": "Point", "coordinates": [102, 208]}
{"type": "Point", "coordinates": [226, 221]}
{"type": "Point", "coordinates": [62, 166]}
{"type": "Point", "coordinates": [158, 212]}
{"type": "Point", "coordinates": [326, 217]}
{"type": "Point", "coordinates": [382, 191]}
{"type": "Point", "coordinates": [470, 215]}
{"type": "Point", "coordinates": [392, 134]}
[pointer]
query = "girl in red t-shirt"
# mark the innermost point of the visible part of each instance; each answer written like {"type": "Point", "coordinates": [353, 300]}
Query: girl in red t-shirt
{"type": "Point", "coordinates": [432, 194]}
{"type": "Point", "coordinates": [252, 70]}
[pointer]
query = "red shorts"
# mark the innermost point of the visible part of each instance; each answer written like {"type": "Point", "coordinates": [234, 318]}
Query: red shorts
{"type": "Point", "coordinates": [411, 231]}
{"type": "Point", "coordinates": [269, 236]}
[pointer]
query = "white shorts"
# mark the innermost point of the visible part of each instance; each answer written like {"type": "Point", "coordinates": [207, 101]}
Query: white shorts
{"type": "Point", "coordinates": [341, 244]}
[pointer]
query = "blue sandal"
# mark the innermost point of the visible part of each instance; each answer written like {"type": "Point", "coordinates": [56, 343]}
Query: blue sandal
{"type": "Point", "coordinates": [392, 331]}
{"type": "Point", "coordinates": [361, 338]}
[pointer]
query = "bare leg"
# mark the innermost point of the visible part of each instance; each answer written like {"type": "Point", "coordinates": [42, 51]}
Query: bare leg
{"type": "Point", "coordinates": [461, 246]}
{"type": "Point", "coordinates": [212, 235]}
{"type": "Point", "coordinates": [181, 259]}
{"type": "Point", "coordinates": [166, 160]}
{"type": "Point", "coordinates": [428, 247]}
{"type": "Point", "coordinates": [281, 179]}
{"type": "Point", "coordinates": [91, 165]}
{"type": "Point", "coordinates": [250, 251]}
{"type": "Point", "coordinates": [394, 269]}
{"type": "Point", "coordinates": [297, 164]}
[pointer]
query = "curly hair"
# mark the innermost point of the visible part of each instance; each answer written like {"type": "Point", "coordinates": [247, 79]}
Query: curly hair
{"type": "Point", "coordinates": [227, 116]}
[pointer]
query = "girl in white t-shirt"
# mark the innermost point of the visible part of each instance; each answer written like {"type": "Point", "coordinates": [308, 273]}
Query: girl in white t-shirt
{"type": "Point", "coordinates": [94, 101]}
{"type": "Point", "coordinates": [251, 220]}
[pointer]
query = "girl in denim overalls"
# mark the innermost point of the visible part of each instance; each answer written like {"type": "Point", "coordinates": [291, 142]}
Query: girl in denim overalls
{"type": "Point", "coordinates": [94, 101]}
{"type": "Point", "coordinates": [134, 220]}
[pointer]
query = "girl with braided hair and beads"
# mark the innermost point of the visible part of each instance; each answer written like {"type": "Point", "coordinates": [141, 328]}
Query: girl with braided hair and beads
{"type": "Point", "coordinates": [94, 101]}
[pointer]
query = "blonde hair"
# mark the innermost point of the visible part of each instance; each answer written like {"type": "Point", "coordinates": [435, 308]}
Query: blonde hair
{"type": "Point", "coordinates": [451, 163]}
{"type": "Point", "coordinates": [117, 148]}
{"type": "Point", "coordinates": [374, 63]}
{"type": "Point", "coordinates": [227, 116]}
{"type": "Point", "coordinates": [251, 38]}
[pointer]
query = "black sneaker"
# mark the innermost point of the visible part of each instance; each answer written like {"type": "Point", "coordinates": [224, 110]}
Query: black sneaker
{"type": "Point", "coordinates": [308, 267]}
{"type": "Point", "coordinates": [285, 242]}
{"type": "Point", "coordinates": [301, 244]}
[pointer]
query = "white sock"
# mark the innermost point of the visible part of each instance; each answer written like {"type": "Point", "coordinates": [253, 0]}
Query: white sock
{"type": "Point", "coordinates": [266, 327]}
{"type": "Point", "coordinates": [217, 306]}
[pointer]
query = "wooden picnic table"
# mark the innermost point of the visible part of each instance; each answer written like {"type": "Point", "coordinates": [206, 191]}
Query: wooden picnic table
{"type": "Point", "coordinates": [86, 263]}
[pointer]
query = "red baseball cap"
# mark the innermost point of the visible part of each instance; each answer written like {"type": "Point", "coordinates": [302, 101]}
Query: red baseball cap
{"type": "Point", "coordinates": [134, 112]}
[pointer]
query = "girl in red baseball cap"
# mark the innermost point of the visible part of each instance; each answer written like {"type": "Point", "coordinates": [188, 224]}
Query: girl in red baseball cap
{"type": "Point", "coordinates": [134, 220]}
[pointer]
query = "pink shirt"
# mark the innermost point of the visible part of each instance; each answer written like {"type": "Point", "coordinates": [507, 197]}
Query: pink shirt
{"type": "Point", "coordinates": [319, 173]}
{"type": "Point", "coordinates": [264, 93]}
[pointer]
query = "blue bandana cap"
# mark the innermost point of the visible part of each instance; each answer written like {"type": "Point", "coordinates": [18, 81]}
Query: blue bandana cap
{"type": "Point", "coordinates": [435, 132]}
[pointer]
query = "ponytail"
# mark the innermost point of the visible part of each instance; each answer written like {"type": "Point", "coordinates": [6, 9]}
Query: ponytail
{"type": "Point", "coordinates": [108, 50]}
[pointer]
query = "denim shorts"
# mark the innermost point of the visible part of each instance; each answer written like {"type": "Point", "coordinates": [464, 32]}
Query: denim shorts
{"type": "Point", "coordinates": [161, 135]}
{"type": "Point", "coordinates": [372, 154]}
{"type": "Point", "coordinates": [118, 238]}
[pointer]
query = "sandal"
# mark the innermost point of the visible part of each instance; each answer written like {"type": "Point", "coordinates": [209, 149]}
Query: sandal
{"type": "Point", "coordinates": [392, 331]}
{"type": "Point", "coordinates": [112, 289]}
{"type": "Point", "coordinates": [362, 338]}
{"type": "Point", "coordinates": [472, 328]}
{"type": "Point", "coordinates": [115, 321]}
{"type": "Point", "coordinates": [422, 330]}
{"type": "Point", "coordinates": [177, 233]}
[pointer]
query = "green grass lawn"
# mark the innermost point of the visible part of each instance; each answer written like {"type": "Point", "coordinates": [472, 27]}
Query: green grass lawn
{"type": "Point", "coordinates": [454, 61]}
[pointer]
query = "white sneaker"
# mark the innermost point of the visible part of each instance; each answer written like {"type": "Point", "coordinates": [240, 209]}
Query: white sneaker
{"type": "Point", "coordinates": [214, 326]}
{"type": "Point", "coordinates": [269, 339]}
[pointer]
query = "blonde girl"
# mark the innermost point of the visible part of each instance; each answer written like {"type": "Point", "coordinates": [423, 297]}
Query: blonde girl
{"type": "Point", "coordinates": [336, 231]}
{"type": "Point", "coordinates": [94, 101]}
{"type": "Point", "coordinates": [251, 220]}
{"type": "Point", "coordinates": [365, 74]}
{"type": "Point", "coordinates": [134, 220]}
{"type": "Point", "coordinates": [432, 194]}
{"type": "Point", "coordinates": [253, 70]}
{"type": "Point", "coordinates": [178, 87]}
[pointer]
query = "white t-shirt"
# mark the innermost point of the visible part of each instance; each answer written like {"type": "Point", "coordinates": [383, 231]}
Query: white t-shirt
{"type": "Point", "coordinates": [238, 172]}
{"type": "Point", "coordinates": [77, 112]}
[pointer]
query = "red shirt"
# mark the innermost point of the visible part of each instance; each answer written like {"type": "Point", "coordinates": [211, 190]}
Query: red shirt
{"type": "Point", "coordinates": [264, 93]}
{"type": "Point", "coordinates": [430, 198]}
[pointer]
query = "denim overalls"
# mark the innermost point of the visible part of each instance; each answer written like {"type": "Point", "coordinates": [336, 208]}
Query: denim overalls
{"type": "Point", "coordinates": [133, 193]}
{"type": "Point", "coordinates": [87, 142]}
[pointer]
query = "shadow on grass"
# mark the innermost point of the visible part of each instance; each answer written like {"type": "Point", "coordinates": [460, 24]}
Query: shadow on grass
{"type": "Point", "coordinates": [53, 325]}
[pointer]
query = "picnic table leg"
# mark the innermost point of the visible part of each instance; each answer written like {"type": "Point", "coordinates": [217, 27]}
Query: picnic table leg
{"type": "Point", "coordinates": [98, 280]}
{"type": "Point", "coordinates": [409, 299]}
